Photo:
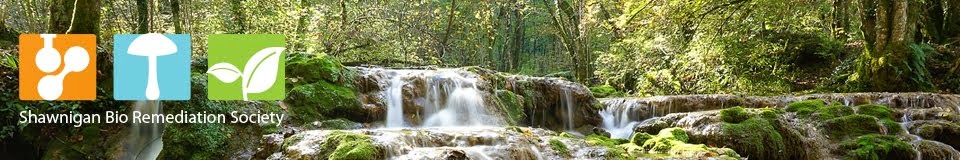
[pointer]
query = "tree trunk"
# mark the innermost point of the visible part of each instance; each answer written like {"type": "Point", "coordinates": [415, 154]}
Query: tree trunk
{"type": "Point", "coordinates": [143, 12]}
{"type": "Point", "coordinates": [888, 29]}
{"type": "Point", "coordinates": [175, 8]}
{"type": "Point", "coordinates": [446, 36]}
{"type": "Point", "coordinates": [82, 19]}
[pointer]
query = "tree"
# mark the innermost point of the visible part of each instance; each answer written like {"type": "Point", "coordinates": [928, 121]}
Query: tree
{"type": "Point", "coordinates": [75, 17]}
{"type": "Point", "coordinates": [567, 20]}
{"type": "Point", "coordinates": [888, 62]}
{"type": "Point", "coordinates": [143, 14]}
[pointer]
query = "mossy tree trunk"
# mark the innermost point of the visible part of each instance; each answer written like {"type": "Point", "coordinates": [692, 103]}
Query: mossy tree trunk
{"type": "Point", "coordinates": [143, 14]}
{"type": "Point", "coordinates": [82, 19]}
{"type": "Point", "coordinates": [888, 30]}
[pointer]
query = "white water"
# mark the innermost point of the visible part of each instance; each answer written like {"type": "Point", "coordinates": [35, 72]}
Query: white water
{"type": "Point", "coordinates": [145, 140]}
{"type": "Point", "coordinates": [617, 122]}
{"type": "Point", "coordinates": [570, 103]}
{"type": "Point", "coordinates": [451, 99]}
{"type": "Point", "coordinates": [394, 99]}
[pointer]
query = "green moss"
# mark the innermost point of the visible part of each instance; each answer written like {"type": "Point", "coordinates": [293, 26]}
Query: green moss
{"type": "Point", "coordinates": [566, 135]}
{"type": "Point", "coordinates": [734, 115]}
{"type": "Point", "coordinates": [603, 140]}
{"type": "Point", "coordinates": [309, 68]}
{"type": "Point", "coordinates": [317, 101]}
{"type": "Point", "coordinates": [339, 124]}
{"type": "Point", "coordinates": [660, 144]}
{"type": "Point", "coordinates": [833, 111]}
{"type": "Point", "coordinates": [852, 126]}
{"type": "Point", "coordinates": [347, 145]}
{"type": "Point", "coordinates": [674, 133]}
{"type": "Point", "coordinates": [558, 146]}
{"type": "Point", "coordinates": [512, 105]}
{"type": "Point", "coordinates": [892, 126]}
{"type": "Point", "coordinates": [805, 107]}
{"type": "Point", "coordinates": [755, 138]}
{"type": "Point", "coordinates": [195, 141]}
{"type": "Point", "coordinates": [603, 91]}
{"type": "Point", "coordinates": [640, 137]}
{"type": "Point", "coordinates": [770, 113]}
{"type": "Point", "coordinates": [876, 110]}
{"type": "Point", "coordinates": [876, 146]}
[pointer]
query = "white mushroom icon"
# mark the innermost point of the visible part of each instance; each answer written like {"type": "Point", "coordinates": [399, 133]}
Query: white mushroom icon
{"type": "Point", "coordinates": [152, 45]}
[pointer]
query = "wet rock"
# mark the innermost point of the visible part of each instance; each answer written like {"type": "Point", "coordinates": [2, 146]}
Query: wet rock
{"type": "Point", "coordinates": [269, 144]}
{"type": "Point", "coordinates": [547, 100]}
{"type": "Point", "coordinates": [931, 150]}
{"type": "Point", "coordinates": [938, 130]}
{"type": "Point", "coordinates": [454, 154]}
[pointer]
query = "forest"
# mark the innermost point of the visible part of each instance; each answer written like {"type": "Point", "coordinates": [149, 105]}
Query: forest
{"type": "Point", "coordinates": [568, 79]}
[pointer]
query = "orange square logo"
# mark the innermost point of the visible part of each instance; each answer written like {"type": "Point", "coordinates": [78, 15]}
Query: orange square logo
{"type": "Point", "coordinates": [58, 67]}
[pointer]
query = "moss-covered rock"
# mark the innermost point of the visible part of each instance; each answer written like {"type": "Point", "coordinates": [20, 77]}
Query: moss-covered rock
{"type": "Point", "coordinates": [755, 138]}
{"type": "Point", "coordinates": [347, 145]}
{"type": "Point", "coordinates": [195, 141]}
{"type": "Point", "coordinates": [852, 126]}
{"type": "Point", "coordinates": [734, 115]}
{"type": "Point", "coordinates": [833, 111]}
{"type": "Point", "coordinates": [603, 91]}
{"type": "Point", "coordinates": [310, 68]}
{"type": "Point", "coordinates": [675, 133]}
{"type": "Point", "coordinates": [337, 124]}
{"type": "Point", "coordinates": [770, 113]}
{"type": "Point", "coordinates": [874, 146]}
{"type": "Point", "coordinates": [942, 131]}
{"type": "Point", "coordinates": [805, 107]}
{"type": "Point", "coordinates": [324, 100]}
{"type": "Point", "coordinates": [559, 146]}
{"type": "Point", "coordinates": [512, 105]}
{"type": "Point", "coordinates": [640, 137]}
{"type": "Point", "coordinates": [875, 110]}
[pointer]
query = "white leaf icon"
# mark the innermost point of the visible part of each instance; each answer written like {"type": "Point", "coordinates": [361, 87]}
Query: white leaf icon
{"type": "Point", "coordinates": [225, 72]}
{"type": "Point", "coordinates": [260, 72]}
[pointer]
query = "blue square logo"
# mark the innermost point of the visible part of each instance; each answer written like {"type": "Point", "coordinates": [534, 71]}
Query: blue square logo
{"type": "Point", "coordinates": [151, 66]}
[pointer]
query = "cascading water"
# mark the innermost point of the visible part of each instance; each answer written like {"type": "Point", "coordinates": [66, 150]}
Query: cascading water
{"type": "Point", "coordinates": [616, 120]}
{"type": "Point", "coordinates": [145, 140]}
{"type": "Point", "coordinates": [444, 97]}
{"type": "Point", "coordinates": [394, 99]}
{"type": "Point", "coordinates": [569, 103]}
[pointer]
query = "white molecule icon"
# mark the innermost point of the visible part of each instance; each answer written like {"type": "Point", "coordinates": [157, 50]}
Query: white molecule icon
{"type": "Point", "coordinates": [48, 60]}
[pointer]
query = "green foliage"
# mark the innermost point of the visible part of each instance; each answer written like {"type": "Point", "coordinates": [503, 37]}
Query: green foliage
{"type": "Point", "coordinates": [876, 146]}
{"type": "Point", "coordinates": [734, 115]}
{"type": "Point", "coordinates": [603, 91]}
{"type": "Point", "coordinates": [558, 146]}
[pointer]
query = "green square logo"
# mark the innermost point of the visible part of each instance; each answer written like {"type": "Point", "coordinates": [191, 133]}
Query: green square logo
{"type": "Point", "coordinates": [245, 67]}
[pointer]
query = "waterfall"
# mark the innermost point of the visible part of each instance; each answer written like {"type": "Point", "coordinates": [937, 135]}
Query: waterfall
{"type": "Point", "coordinates": [394, 98]}
{"type": "Point", "coordinates": [569, 104]}
{"type": "Point", "coordinates": [442, 98]}
{"type": "Point", "coordinates": [145, 140]}
{"type": "Point", "coordinates": [616, 120]}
